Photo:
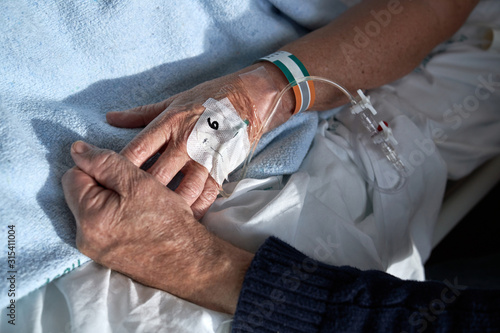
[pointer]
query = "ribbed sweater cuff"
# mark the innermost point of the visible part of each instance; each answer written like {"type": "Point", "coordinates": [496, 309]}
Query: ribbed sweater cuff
{"type": "Point", "coordinates": [285, 291]}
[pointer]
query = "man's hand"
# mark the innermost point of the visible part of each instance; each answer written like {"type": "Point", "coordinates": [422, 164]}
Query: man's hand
{"type": "Point", "coordinates": [130, 222]}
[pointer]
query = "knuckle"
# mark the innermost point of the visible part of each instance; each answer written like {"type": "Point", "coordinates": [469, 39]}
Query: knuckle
{"type": "Point", "coordinates": [105, 160]}
{"type": "Point", "coordinates": [197, 212]}
{"type": "Point", "coordinates": [190, 190]}
{"type": "Point", "coordinates": [136, 149]}
{"type": "Point", "coordinates": [84, 243]}
{"type": "Point", "coordinates": [201, 207]}
{"type": "Point", "coordinates": [161, 174]}
{"type": "Point", "coordinates": [209, 195]}
{"type": "Point", "coordinates": [184, 120]}
{"type": "Point", "coordinates": [141, 109]}
{"type": "Point", "coordinates": [145, 113]}
{"type": "Point", "coordinates": [81, 244]}
{"type": "Point", "coordinates": [211, 190]}
{"type": "Point", "coordinates": [194, 182]}
{"type": "Point", "coordinates": [86, 229]}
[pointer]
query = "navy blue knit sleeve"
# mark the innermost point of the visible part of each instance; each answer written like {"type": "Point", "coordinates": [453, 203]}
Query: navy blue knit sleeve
{"type": "Point", "coordinates": [285, 291]}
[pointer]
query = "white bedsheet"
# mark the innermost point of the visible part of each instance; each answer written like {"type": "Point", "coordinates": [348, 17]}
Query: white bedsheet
{"type": "Point", "coordinates": [95, 299]}
{"type": "Point", "coordinates": [326, 209]}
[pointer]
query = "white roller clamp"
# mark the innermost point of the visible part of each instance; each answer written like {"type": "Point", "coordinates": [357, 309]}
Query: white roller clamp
{"type": "Point", "coordinates": [363, 104]}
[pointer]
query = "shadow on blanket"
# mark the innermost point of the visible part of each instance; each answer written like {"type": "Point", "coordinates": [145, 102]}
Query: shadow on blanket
{"type": "Point", "coordinates": [51, 197]}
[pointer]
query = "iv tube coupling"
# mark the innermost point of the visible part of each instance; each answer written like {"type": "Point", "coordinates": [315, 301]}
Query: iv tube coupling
{"type": "Point", "coordinates": [380, 132]}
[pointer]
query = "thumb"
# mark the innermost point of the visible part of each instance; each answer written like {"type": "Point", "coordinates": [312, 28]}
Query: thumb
{"type": "Point", "coordinates": [136, 117]}
{"type": "Point", "coordinates": [108, 168]}
{"type": "Point", "coordinates": [81, 189]}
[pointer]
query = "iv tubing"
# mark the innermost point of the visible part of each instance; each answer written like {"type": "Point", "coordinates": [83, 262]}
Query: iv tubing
{"type": "Point", "coordinates": [277, 102]}
{"type": "Point", "coordinates": [369, 125]}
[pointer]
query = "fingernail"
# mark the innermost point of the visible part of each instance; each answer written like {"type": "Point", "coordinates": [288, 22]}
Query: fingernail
{"type": "Point", "coordinates": [80, 147]}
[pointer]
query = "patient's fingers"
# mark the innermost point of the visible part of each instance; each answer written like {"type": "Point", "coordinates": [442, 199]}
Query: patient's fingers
{"type": "Point", "coordinates": [206, 199]}
{"type": "Point", "coordinates": [171, 128]}
{"type": "Point", "coordinates": [170, 162]}
{"type": "Point", "coordinates": [136, 117]}
{"type": "Point", "coordinates": [191, 186]}
{"type": "Point", "coordinates": [146, 143]}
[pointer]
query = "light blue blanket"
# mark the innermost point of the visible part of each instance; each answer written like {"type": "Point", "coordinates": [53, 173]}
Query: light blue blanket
{"type": "Point", "coordinates": [64, 64]}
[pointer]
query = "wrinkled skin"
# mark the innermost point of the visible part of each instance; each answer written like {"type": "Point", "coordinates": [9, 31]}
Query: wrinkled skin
{"type": "Point", "coordinates": [130, 222]}
{"type": "Point", "coordinates": [169, 123]}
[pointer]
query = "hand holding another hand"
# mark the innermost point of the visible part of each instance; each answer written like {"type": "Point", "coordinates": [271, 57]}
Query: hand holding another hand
{"type": "Point", "coordinates": [130, 222]}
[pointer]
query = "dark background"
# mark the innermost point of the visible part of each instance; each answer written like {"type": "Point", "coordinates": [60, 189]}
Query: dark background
{"type": "Point", "coordinates": [471, 251]}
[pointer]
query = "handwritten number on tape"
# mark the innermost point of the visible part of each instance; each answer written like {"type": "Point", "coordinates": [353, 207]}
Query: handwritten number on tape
{"type": "Point", "coordinates": [213, 124]}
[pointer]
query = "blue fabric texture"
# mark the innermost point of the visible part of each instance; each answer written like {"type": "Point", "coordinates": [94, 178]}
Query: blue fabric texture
{"type": "Point", "coordinates": [285, 291]}
{"type": "Point", "coordinates": [64, 64]}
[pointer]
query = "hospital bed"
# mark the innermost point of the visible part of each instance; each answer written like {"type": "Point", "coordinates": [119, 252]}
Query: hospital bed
{"type": "Point", "coordinates": [48, 102]}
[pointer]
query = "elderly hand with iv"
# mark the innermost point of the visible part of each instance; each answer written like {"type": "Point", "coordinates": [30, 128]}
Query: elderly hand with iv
{"type": "Point", "coordinates": [168, 125]}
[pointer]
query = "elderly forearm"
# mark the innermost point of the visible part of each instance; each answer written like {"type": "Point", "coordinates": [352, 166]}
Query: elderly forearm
{"type": "Point", "coordinates": [374, 43]}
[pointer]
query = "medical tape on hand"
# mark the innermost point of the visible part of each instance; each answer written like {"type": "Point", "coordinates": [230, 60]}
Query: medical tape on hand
{"type": "Point", "coordinates": [294, 70]}
{"type": "Point", "coordinates": [219, 140]}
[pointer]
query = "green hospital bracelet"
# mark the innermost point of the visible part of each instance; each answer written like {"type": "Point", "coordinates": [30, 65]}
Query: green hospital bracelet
{"type": "Point", "coordinates": [294, 70]}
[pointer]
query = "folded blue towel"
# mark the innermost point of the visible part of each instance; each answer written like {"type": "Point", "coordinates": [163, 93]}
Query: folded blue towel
{"type": "Point", "coordinates": [64, 64]}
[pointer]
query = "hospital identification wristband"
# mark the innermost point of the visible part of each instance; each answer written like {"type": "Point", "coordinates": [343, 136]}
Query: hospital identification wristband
{"type": "Point", "coordinates": [294, 71]}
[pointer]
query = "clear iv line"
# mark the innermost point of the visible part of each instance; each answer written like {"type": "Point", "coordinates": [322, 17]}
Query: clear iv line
{"type": "Point", "coordinates": [361, 107]}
